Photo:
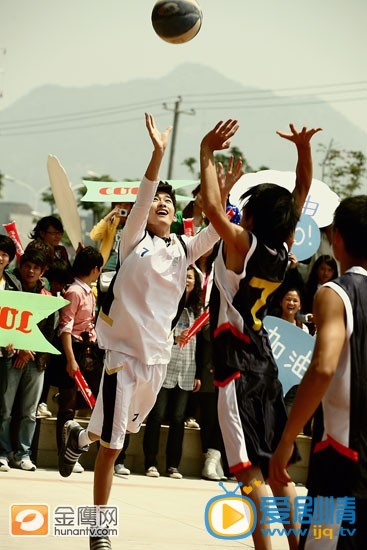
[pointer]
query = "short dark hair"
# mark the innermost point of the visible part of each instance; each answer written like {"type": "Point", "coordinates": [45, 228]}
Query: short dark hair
{"type": "Point", "coordinates": [86, 259]}
{"type": "Point", "coordinates": [35, 256]}
{"type": "Point", "coordinates": [274, 212]}
{"type": "Point", "coordinates": [7, 246]}
{"type": "Point", "coordinates": [350, 219]}
{"type": "Point", "coordinates": [59, 272]}
{"type": "Point", "coordinates": [43, 224]}
{"type": "Point", "coordinates": [39, 244]}
{"type": "Point", "coordinates": [165, 187]}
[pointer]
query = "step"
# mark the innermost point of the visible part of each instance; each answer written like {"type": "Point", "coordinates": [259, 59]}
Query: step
{"type": "Point", "coordinates": [192, 457]}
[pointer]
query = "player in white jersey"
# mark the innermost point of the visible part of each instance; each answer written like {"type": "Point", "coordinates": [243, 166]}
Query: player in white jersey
{"type": "Point", "coordinates": [135, 327]}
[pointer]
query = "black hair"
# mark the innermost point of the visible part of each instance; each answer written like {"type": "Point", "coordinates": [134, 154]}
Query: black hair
{"type": "Point", "coordinates": [165, 187]}
{"type": "Point", "coordinates": [43, 224]}
{"type": "Point", "coordinates": [35, 256]}
{"type": "Point", "coordinates": [86, 259]}
{"type": "Point", "coordinates": [274, 212]}
{"type": "Point", "coordinates": [60, 272]}
{"type": "Point", "coordinates": [350, 219]}
{"type": "Point", "coordinates": [39, 244]}
{"type": "Point", "coordinates": [312, 281]}
{"type": "Point", "coordinates": [7, 246]}
{"type": "Point", "coordinates": [194, 299]}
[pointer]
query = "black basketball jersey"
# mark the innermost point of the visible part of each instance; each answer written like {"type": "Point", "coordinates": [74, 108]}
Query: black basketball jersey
{"type": "Point", "coordinates": [339, 464]}
{"type": "Point", "coordinates": [238, 305]}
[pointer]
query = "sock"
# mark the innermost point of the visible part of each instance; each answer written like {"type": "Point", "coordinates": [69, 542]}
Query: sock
{"type": "Point", "coordinates": [83, 439]}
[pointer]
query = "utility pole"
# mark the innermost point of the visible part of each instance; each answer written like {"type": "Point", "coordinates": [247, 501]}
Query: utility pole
{"type": "Point", "coordinates": [176, 113]}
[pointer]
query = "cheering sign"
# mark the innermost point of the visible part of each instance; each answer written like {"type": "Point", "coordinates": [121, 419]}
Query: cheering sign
{"type": "Point", "coordinates": [19, 314]}
{"type": "Point", "coordinates": [124, 191]}
{"type": "Point", "coordinates": [292, 349]}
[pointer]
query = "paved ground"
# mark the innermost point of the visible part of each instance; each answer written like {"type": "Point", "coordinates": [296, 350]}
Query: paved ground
{"type": "Point", "coordinates": [154, 514]}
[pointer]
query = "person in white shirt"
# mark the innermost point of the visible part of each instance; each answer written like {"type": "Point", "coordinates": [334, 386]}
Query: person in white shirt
{"type": "Point", "coordinates": [136, 325]}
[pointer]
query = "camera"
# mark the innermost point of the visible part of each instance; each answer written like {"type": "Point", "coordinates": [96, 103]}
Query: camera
{"type": "Point", "coordinates": [123, 212]}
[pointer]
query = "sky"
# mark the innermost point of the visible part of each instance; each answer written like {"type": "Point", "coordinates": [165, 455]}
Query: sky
{"type": "Point", "coordinates": [313, 47]}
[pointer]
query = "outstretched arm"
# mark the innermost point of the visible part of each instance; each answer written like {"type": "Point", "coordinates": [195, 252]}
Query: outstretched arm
{"type": "Point", "coordinates": [227, 178]}
{"type": "Point", "coordinates": [216, 187]}
{"type": "Point", "coordinates": [304, 165]}
{"type": "Point", "coordinates": [160, 142]}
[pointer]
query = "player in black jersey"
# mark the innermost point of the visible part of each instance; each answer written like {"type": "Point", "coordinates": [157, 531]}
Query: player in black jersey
{"type": "Point", "coordinates": [251, 264]}
{"type": "Point", "coordinates": [337, 377]}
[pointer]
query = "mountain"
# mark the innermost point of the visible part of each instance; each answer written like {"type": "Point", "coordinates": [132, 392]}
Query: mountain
{"type": "Point", "coordinates": [101, 128]}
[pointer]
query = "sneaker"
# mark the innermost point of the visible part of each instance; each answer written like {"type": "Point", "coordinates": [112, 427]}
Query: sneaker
{"type": "Point", "coordinates": [174, 473]}
{"type": "Point", "coordinates": [152, 472]}
{"type": "Point", "coordinates": [42, 411]}
{"type": "Point", "coordinates": [121, 470]}
{"type": "Point", "coordinates": [191, 423]}
{"type": "Point", "coordinates": [25, 464]}
{"type": "Point", "coordinates": [4, 464]}
{"type": "Point", "coordinates": [99, 543]}
{"type": "Point", "coordinates": [70, 451]}
{"type": "Point", "coordinates": [78, 468]}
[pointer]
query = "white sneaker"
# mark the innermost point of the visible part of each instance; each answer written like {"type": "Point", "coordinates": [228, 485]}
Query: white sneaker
{"type": "Point", "coordinates": [42, 411]}
{"type": "Point", "coordinates": [25, 464]}
{"type": "Point", "coordinates": [174, 473]}
{"type": "Point", "coordinates": [4, 464]}
{"type": "Point", "coordinates": [78, 468]}
{"type": "Point", "coordinates": [121, 470]}
{"type": "Point", "coordinates": [191, 423]}
{"type": "Point", "coordinates": [152, 472]}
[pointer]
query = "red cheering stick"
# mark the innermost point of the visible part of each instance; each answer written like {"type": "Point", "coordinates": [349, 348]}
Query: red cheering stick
{"type": "Point", "coordinates": [85, 389]}
{"type": "Point", "coordinates": [12, 231]}
{"type": "Point", "coordinates": [196, 326]}
{"type": "Point", "coordinates": [189, 229]}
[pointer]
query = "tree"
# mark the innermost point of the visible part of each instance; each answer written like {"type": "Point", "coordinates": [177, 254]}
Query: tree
{"type": "Point", "coordinates": [237, 153]}
{"type": "Point", "coordinates": [48, 198]}
{"type": "Point", "coordinates": [341, 169]}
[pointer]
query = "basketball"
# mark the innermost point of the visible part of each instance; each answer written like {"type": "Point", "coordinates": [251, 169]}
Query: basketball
{"type": "Point", "coordinates": [177, 22]}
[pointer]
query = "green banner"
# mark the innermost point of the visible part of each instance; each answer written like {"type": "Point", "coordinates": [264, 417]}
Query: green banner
{"type": "Point", "coordinates": [126, 191]}
{"type": "Point", "coordinates": [19, 314]}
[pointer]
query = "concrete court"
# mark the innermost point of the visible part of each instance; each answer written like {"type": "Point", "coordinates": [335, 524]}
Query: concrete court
{"type": "Point", "coordinates": [155, 514]}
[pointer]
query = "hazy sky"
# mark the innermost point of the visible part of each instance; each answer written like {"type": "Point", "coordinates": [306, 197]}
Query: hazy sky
{"type": "Point", "coordinates": [263, 43]}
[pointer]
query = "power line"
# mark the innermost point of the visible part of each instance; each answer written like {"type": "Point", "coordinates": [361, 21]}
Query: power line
{"type": "Point", "coordinates": [276, 90]}
{"type": "Point", "coordinates": [264, 106]}
{"type": "Point", "coordinates": [28, 127]}
{"type": "Point", "coordinates": [84, 114]}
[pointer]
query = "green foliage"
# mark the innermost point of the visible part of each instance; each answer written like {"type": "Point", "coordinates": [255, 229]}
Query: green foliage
{"type": "Point", "coordinates": [237, 153]}
{"type": "Point", "coordinates": [341, 169]}
{"type": "Point", "coordinates": [48, 198]}
{"type": "Point", "coordinates": [224, 159]}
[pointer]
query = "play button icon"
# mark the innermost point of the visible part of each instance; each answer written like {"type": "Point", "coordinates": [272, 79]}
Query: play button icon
{"type": "Point", "coordinates": [230, 516]}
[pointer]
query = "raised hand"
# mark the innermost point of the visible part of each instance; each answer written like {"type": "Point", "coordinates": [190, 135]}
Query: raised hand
{"type": "Point", "coordinates": [219, 138]}
{"type": "Point", "coordinates": [159, 139]}
{"type": "Point", "coordinates": [299, 138]}
{"type": "Point", "coordinates": [227, 179]}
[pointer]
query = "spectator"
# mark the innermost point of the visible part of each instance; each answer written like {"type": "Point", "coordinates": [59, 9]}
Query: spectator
{"type": "Point", "coordinates": [25, 373]}
{"type": "Point", "coordinates": [181, 379]}
{"type": "Point", "coordinates": [78, 337]}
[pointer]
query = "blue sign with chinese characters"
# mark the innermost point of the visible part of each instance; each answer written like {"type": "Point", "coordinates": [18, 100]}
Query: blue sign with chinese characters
{"type": "Point", "coordinates": [292, 348]}
{"type": "Point", "coordinates": [306, 238]}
